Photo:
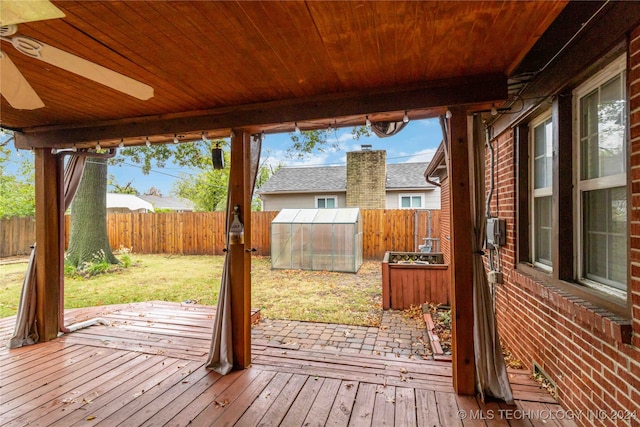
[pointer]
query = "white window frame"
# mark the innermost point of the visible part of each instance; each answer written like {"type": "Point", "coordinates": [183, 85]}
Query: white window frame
{"type": "Point", "coordinates": [335, 201]}
{"type": "Point", "coordinates": [616, 67]}
{"type": "Point", "coordinates": [537, 192]}
{"type": "Point", "coordinates": [411, 196]}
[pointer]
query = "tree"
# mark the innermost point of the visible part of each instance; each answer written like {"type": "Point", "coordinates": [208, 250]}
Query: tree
{"type": "Point", "coordinates": [207, 190]}
{"type": "Point", "coordinates": [17, 190]}
{"type": "Point", "coordinates": [306, 142]}
{"type": "Point", "coordinates": [121, 189]}
{"type": "Point", "coordinates": [88, 238]}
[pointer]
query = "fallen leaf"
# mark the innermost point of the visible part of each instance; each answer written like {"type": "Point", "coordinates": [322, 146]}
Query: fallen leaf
{"type": "Point", "coordinates": [403, 378]}
{"type": "Point", "coordinates": [91, 417]}
{"type": "Point", "coordinates": [68, 400]}
{"type": "Point", "coordinates": [221, 404]}
{"type": "Point", "coordinates": [349, 385]}
{"type": "Point", "coordinates": [403, 370]}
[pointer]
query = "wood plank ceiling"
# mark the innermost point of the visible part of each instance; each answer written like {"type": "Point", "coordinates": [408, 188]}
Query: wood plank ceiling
{"type": "Point", "coordinates": [225, 57]}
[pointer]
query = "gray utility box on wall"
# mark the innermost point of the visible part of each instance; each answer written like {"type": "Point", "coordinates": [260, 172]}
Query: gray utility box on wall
{"type": "Point", "coordinates": [496, 232]}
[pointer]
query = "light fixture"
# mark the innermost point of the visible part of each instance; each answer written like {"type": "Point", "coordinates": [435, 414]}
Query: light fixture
{"type": "Point", "coordinates": [405, 119]}
{"type": "Point", "coordinates": [74, 148]}
{"type": "Point", "coordinates": [262, 136]}
{"type": "Point", "coordinates": [296, 129]}
{"type": "Point", "coordinates": [121, 145]}
{"type": "Point", "coordinates": [448, 114]}
{"type": "Point", "coordinates": [367, 122]}
{"type": "Point", "coordinates": [204, 137]}
{"type": "Point", "coordinates": [329, 129]}
{"type": "Point", "coordinates": [175, 138]}
{"type": "Point", "coordinates": [147, 142]}
{"type": "Point", "coordinates": [98, 146]}
{"type": "Point", "coordinates": [54, 151]}
{"type": "Point", "coordinates": [494, 111]}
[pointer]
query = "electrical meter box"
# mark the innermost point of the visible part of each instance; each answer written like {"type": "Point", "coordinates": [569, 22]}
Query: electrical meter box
{"type": "Point", "coordinates": [496, 232]}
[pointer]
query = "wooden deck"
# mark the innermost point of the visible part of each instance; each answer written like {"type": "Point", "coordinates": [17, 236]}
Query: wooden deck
{"type": "Point", "coordinates": [147, 368]}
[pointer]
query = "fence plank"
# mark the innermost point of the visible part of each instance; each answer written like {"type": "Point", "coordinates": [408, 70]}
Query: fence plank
{"type": "Point", "coordinates": [203, 233]}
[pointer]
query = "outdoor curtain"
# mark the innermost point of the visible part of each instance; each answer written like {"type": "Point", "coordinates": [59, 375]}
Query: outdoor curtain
{"type": "Point", "coordinates": [491, 373]}
{"type": "Point", "coordinates": [385, 129]}
{"type": "Point", "coordinates": [221, 352]}
{"type": "Point", "coordinates": [26, 332]}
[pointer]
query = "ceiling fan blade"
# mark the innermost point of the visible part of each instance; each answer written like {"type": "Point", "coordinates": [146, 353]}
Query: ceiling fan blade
{"type": "Point", "coordinates": [19, 11]}
{"type": "Point", "coordinates": [15, 88]}
{"type": "Point", "coordinates": [82, 67]}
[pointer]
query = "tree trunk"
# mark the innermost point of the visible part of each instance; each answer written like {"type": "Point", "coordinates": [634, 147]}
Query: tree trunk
{"type": "Point", "coordinates": [88, 238]}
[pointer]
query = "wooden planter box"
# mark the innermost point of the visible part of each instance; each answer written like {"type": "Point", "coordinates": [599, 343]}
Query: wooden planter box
{"type": "Point", "coordinates": [413, 278]}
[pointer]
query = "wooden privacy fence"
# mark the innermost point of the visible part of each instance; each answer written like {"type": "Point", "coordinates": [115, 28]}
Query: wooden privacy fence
{"type": "Point", "coordinates": [202, 233]}
{"type": "Point", "coordinates": [17, 234]}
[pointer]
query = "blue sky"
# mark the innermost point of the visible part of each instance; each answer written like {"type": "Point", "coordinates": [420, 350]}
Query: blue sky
{"type": "Point", "coordinates": [415, 143]}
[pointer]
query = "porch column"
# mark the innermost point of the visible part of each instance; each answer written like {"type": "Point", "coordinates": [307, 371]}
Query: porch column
{"type": "Point", "coordinates": [240, 268]}
{"type": "Point", "coordinates": [49, 260]}
{"type": "Point", "coordinates": [461, 253]}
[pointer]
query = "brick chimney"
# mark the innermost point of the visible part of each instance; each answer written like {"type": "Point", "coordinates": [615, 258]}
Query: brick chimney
{"type": "Point", "coordinates": [367, 178]}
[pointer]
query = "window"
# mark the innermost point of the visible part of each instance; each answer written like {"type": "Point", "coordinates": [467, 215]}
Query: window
{"type": "Point", "coordinates": [326, 202]}
{"type": "Point", "coordinates": [411, 201]}
{"type": "Point", "coordinates": [600, 106]}
{"type": "Point", "coordinates": [542, 150]}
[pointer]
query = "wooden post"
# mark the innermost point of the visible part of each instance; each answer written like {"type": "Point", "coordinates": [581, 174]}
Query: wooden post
{"type": "Point", "coordinates": [48, 179]}
{"type": "Point", "coordinates": [461, 254]}
{"type": "Point", "coordinates": [562, 187]}
{"type": "Point", "coordinates": [240, 269]}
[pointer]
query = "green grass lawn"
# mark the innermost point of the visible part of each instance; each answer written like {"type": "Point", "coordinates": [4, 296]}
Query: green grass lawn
{"type": "Point", "coordinates": [281, 294]}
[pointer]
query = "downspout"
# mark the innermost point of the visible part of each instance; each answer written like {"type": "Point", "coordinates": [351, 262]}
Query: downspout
{"type": "Point", "coordinates": [491, 179]}
{"type": "Point", "coordinates": [437, 184]}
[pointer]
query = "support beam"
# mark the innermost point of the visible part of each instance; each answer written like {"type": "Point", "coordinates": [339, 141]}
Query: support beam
{"type": "Point", "coordinates": [240, 268]}
{"type": "Point", "coordinates": [461, 254]}
{"type": "Point", "coordinates": [437, 93]}
{"type": "Point", "coordinates": [48, 179]}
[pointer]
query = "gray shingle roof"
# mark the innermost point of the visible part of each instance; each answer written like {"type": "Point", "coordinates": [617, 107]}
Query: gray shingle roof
{"type": "Point", "coordinates": [407, 175]}
{"type": "Point", "coordinates": [319, 178]}
{"type": "Point", "coordinates": [333, 178]}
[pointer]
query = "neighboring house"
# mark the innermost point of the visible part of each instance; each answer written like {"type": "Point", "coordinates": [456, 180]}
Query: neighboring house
{"type": "Point", "coordinates": [175, 204]}
{"type": "Point", "coordinates": [436, 173]}
{"type": "Point", "coordinates": [126, 203]}
{"type": "Point", "coordinates": [366, 182]}
{"type": "Point", "coordinates": [567, 183]}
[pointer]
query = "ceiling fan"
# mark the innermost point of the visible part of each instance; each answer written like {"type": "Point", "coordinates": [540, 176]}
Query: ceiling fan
{"type": "Point", "coordinates": [15, 88]}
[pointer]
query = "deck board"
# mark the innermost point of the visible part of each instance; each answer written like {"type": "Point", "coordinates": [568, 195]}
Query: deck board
{"type": "Point", "coordinates": [148, 369]}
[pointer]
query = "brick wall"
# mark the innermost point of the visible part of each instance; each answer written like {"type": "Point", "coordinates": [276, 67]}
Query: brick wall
{"type": "Point", "coordinates": [445, 221]}
{"type": "Point", "coordinates": [366, 179]}
{"type": "Point", "coordinates": [578, 344]}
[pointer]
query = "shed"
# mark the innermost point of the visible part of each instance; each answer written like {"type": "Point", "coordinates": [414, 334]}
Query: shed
{"type": "Point", "coordinates": [317, 239]}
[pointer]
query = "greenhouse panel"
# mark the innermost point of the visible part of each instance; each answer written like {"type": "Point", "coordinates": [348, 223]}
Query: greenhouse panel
{"type": "Point", "coordinates": [317, 239]}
